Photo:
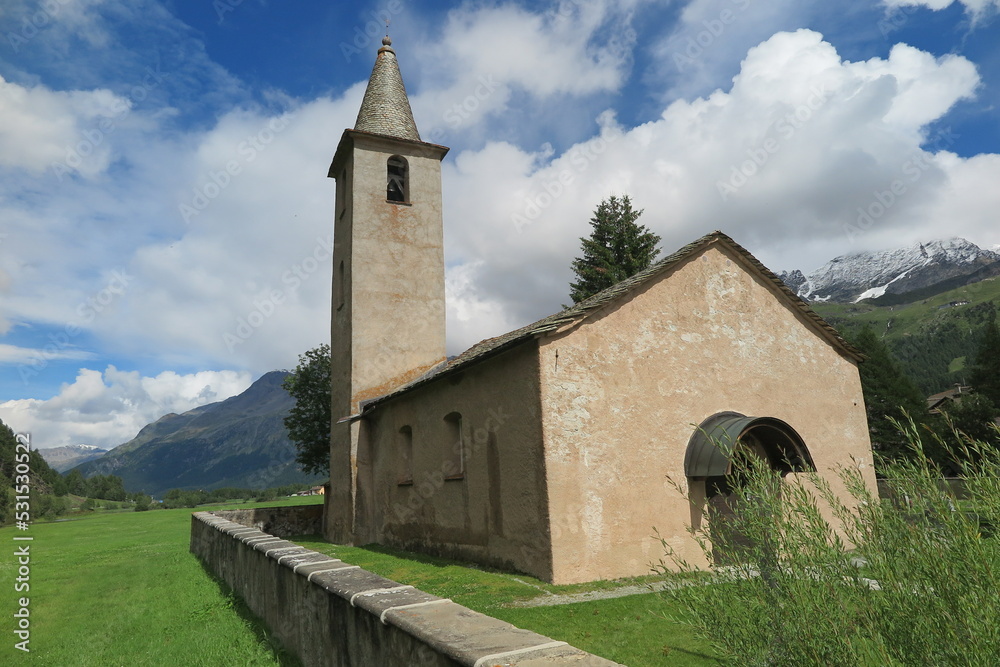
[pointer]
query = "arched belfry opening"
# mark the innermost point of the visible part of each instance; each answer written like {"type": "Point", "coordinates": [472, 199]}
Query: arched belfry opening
{"type": "Point", "coordinates": [708, 464]}
{"type": "Point", "coordinates": [397, 187]}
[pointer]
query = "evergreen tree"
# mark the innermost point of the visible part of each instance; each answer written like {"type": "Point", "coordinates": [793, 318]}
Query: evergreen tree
{"type": "Point", "coordinates": [889, 394]}
{"type": "Point", "coordinates": [618, 248]}
{"type": "Point", "coordinates": [308, 422]}
{"type": "Point", "coordinates": [972, 415]}
{"type": "Point", "coordinates": [985, 372]}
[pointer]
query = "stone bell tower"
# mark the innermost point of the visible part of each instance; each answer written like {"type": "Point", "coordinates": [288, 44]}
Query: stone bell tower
{"type": "Point", "coordinates": [388, 274]}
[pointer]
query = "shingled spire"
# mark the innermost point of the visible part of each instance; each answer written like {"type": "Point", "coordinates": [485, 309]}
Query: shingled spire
{"type": "Point", "coordinates": [386, 109]}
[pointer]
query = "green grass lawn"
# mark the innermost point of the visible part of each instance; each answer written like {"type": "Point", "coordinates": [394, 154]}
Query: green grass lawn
{"type": "Point", "coordinates": [111, 588]}
{"type": "Point", "coordinates": [121, 589]}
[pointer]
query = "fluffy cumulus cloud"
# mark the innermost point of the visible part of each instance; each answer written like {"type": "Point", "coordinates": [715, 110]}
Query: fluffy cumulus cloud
{"type": "Point", "coordinates": [246, 278]}
{"type": "Point", "coordinates": [489, 60]}
{"type": "Point", "coordinates": [805, 156]}
{"type": "Point", "coordinates": [108, 409]}
{"type": "Point", "coordinates": [40, 125]}
{"type": "Point", "coordinates": [710, 37]}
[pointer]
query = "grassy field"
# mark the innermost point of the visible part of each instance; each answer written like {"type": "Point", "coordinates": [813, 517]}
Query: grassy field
{"type": "Point", "coordinates": [122, 589]}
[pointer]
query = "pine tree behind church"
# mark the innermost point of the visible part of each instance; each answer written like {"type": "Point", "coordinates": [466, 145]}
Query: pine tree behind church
{"type": "Point", "coordinates": [617, 249]}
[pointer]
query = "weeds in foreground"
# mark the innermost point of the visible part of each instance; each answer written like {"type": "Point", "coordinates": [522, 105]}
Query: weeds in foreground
{"type": "Point", "coordinates": [817, 578]}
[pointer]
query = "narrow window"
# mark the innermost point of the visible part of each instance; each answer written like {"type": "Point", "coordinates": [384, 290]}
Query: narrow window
{"type": "Point", "coordinates": [404, 455]}
{"type": "Point", "coordinates": [397, 185]}
{"type": "Point", "coordinates": [340, 285]}
{"type": "Point", "coordinates": [454, 462]}
{"type": "Point", "coordinates": [341, 193]}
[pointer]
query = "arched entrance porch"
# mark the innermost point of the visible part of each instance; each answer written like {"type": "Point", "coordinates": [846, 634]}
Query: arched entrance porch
{"type": "Point", "coordinates": [708, 464]}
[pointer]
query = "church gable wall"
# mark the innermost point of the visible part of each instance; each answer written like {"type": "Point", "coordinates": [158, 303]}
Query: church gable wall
{"type": "Point", "coordinates": [623, 392]}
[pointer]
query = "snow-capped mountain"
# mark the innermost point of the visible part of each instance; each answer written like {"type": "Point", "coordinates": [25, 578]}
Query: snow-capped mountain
{"type": "Point", "coordinates": [866, 275]}
{"type": "Point", "coordinates": [62, 459]}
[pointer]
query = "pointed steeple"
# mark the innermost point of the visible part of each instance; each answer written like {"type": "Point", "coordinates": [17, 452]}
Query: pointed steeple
{"type": "Point", "coordinates": [386, 109]}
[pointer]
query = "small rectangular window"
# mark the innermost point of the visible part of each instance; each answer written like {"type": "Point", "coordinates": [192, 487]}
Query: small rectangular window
{"type": "Point", "coordinates": [339, 285]}
{"type": "Point", "coordinates": [454, 461]}
{"type": "Point", "coordinates": [404, 455]}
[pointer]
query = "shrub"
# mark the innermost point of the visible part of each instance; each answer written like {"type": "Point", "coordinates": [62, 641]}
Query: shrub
{"type": "Point", "coordinates": [911, 579]}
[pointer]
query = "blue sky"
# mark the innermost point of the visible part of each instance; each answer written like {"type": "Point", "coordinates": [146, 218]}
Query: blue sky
{"type": "Point", "coordinates": [165, 217]}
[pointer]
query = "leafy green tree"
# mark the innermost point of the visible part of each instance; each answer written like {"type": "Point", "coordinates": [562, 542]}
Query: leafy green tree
{"type": "Point", "coordinates": [308, 422]}
{"type": "Point", "coordinates": [75, 482]}
{"type": "Point", "coordinates": [889, 394]}
{"type": "Point", "coordinates": [985, 372]}
{"type": "Point", "coordinates": [617, 249]}
{"type": "Point", "coordinates": [142, 502]}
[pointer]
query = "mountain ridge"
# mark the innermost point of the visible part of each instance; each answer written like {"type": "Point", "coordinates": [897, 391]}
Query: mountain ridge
{"type": "Point", "coordinates": [240, 442]}
{"type": "Point", "coordinates": [67, 457]}
{"type": "Point", "coordinates": [865, 275]}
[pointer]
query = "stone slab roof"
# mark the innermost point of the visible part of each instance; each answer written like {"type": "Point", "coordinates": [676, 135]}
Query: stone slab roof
{"type": "Point", "coordinates": [580, 311]}
{"type": "Point", "coordinates": [385, 108]}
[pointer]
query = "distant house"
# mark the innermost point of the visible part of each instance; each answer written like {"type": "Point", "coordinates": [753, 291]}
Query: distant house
{"type": "Point", "coordinates": [945, 398]}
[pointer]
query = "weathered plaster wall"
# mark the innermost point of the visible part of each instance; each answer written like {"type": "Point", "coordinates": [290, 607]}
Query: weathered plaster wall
{"type": "Point", "coordinates": [329, 612]}
{"type": "Point", "coordinates": [496, 511]}
{"type": "Point", "coordinates": [623, 392]}
{"type": "Point", "coordinates": [396, 267]}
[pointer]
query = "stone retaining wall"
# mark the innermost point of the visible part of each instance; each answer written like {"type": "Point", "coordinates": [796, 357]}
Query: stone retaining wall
{"type": "Point", "coordinates": [279, 521]}
{"type": "Point", "coordinates": [329, 612]}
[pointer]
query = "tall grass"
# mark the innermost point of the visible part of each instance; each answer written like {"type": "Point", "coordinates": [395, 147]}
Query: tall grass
{"type": "Point", "coordinates": [819, 579]}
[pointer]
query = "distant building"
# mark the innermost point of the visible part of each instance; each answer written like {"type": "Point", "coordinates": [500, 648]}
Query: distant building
{"type": "Point", "coordinates": [936, 402]}
{"type": "Point", "coordinates": [550, 449]}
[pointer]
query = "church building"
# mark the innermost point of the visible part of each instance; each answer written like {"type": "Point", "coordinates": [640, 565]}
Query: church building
{"type": "Point", "coordinates": [550, 450]}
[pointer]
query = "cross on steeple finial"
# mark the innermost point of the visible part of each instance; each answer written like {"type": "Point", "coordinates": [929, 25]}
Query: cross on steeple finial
{"type": "Point", "coordinates": [385, 40]}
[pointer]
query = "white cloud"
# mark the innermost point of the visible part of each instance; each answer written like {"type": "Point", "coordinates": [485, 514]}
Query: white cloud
{"type": "Point", "coordinates": [488, 59]}
{"type": "Point", "coordinates": [975, 8]}
{"type": "Point", "coordinates": [108, 409]}
{"type": "Point", "coordinates": [14, 354]}
{"type": "Point", "coordinates": [828, 136]}
{"type": "Point", "coordinates": [710, 38]}
{"type": "Point", "coordinates": [41, 127]}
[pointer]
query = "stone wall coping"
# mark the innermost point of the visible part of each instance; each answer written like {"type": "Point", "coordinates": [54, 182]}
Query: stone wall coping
{"type": "Point", "coordinates": [470, 638]}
